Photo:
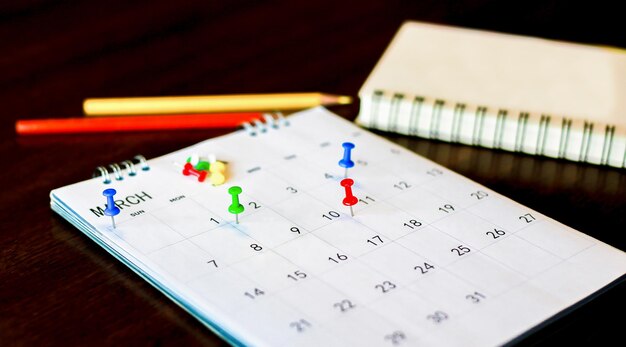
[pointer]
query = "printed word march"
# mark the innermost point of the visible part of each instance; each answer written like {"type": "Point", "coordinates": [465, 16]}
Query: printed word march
{"type": "Point", "coordinates": [327, 235]}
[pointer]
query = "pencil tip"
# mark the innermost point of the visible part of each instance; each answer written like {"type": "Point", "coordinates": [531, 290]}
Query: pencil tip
{"type": "Point", "coordinates": [329, 99]}
{"type": "Point", "coordinates": [343, 100]}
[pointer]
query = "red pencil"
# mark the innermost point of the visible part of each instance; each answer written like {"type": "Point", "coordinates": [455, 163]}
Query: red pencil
{"type": "Point", "coordinates": [133, 123]}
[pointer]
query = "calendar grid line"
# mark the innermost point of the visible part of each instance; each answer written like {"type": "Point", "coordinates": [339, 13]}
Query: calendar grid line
{"type": "Point", "coordinates": [356, 257]}
{"type": "Point", "coordinates": [442, 267]}
{"type": "Point", "coordinates": [401, 286]}
{"type": "Point", "coordinates": [209, 261]}
{"type": "Point", "coordinates": [429, 224]}
{"type": "Point", "coordinates": [561, 261]}
{"type": "Point", "coordinates": [322, 280]}
{"type": "Point", "coordinates": [274, 294]}
{"type": "Point", "coordinates": [330, 270]}
{"type": "Point", "coordinates": [408, 289]}
{"type": "Point", "coordinates": [502, 294]}
{"type": "Point", "coordinates": [532, 243]}
{"type": "Point", "coordinates": [319, 276]}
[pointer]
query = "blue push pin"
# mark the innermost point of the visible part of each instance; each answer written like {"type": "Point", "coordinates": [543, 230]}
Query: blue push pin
{"type": "Point", "coordinates": [346, 161]}
{"type": "Point", "coordinates": [111, 209]}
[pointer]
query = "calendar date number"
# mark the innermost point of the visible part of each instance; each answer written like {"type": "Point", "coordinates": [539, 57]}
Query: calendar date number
{"type": "Point", "coordinates": [212, 262]}
{"type": "Point", "coordinates": [479, 195]}
{"type": "Point", "coordinates": [338, 258]}
{"type": "Point", "coordinates": [395, 337]}
{"type": "Point", "coordinates": [344, 305]}
{"type": "Point", "coordinates": [297, 275]}
{"type": "Point", "coordinates": [496, 233]}
{"type": "Point", "coordinates": [331, 215]}
{"type": "Point", "coordinates": [376, 240]}
{"type": "Point", "coordinates": [367, 200]}
{"type": "Point", "coordinates": [434, 172]}
{"type": "Point", "coordinates": [447, 208]}
{"type": "Point", "coordinates": [300, 325]}
{"type": "Point", "coordinates": [253, 294]}
{"type": "Point", "coordinates": [423, 269]}
{"type": "Point", "coordinates": [402, 185]}
{"type": "Point", "coordinates": [413, 223]}
{"type": "Point", "coordinates": [460, 250]}
{"type": "Point", "coordinates": [476, 297]}
{"type": "Point", "coordinates": [437, 317]}
{"type": "Point", "coordinates": [528, 218]}
{"type": "Point", "coordinates": [385, 287]}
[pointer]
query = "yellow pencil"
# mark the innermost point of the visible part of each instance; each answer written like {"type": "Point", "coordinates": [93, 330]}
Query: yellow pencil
{"type": "Point", "coordinates": [209, 103]}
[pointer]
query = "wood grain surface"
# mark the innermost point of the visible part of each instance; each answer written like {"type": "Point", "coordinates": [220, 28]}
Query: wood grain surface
{"type": "Point", "coordinates": [57, 287]}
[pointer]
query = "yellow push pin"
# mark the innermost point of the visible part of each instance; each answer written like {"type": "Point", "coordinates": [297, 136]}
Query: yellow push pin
{"type": "Point", "coordinates": [218, 171]}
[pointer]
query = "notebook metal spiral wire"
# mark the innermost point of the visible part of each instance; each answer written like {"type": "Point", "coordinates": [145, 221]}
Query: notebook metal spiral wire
{"type": "Point", "coordinates": [498, 128]}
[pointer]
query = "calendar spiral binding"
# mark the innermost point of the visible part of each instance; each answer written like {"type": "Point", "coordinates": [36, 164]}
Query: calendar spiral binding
{"type": "Point", "coordinates": [530, 133]}
{"type": "Point", "coordinates": [274, 120]}
{"type": "Point", "coordinates": [117, 169]}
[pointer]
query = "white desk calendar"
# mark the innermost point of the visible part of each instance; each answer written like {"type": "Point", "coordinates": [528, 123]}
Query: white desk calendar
{"type": "Point", "coordinates": [429, 257]}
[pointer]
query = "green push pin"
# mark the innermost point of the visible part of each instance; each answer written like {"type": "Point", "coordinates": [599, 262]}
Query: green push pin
{"type": "Point", "coordinates": [198, 163]}
{"type": "Point", "coordinates": [203, 165]}
{"type": "Point", "coordinates": [235, 208]}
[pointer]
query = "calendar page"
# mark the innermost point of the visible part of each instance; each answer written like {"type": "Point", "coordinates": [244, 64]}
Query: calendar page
{"type": "Point", "coordinates": [428, 258]}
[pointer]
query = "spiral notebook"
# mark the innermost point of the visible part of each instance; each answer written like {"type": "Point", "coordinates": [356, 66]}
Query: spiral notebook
{"type": "Point", "coordinates": [501, 91]}
{"type": "Point", "coordinates": [429, 257]}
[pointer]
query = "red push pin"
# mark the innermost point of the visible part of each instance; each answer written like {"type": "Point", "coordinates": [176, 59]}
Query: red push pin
{"type": "Point", "coordinates": [189, 170]}
{"type": "Point", "coordinates": [349, 200]}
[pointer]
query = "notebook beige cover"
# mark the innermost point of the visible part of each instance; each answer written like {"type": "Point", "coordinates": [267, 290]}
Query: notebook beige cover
{"type": "Point", "coordinates": [502, 91]}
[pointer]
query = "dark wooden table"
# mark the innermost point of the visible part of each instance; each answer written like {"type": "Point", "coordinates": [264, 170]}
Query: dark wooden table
{"type": "Point", "coordinates": [58, 287]}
